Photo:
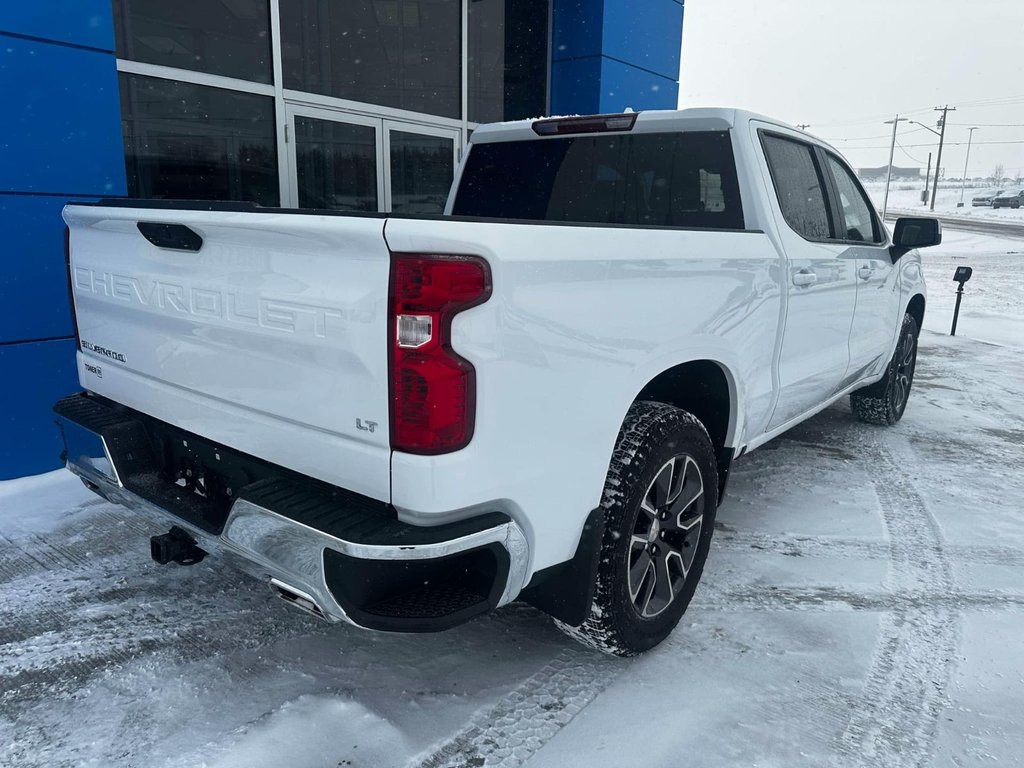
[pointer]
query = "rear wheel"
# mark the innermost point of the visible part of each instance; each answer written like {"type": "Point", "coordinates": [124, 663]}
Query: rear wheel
{"type": "Point", "coordinates": [659, 499]}
{"type": "Point", "coordinates": [885, 401]}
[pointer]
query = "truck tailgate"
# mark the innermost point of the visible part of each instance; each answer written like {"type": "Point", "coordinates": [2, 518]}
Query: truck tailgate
{"type": "Point", "coordinates": [270, 338]}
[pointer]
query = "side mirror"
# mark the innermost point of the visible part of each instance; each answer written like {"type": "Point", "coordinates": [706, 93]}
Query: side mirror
{"type": "Point", "coordinates": [910, 233]}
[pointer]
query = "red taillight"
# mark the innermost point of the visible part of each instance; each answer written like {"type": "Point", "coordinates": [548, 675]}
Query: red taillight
{"type": "Point", "coordinates": [433, 389]}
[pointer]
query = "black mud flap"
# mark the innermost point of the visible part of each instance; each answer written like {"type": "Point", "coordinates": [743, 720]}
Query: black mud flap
{"type": "Point", "coordinates": [566, 591]}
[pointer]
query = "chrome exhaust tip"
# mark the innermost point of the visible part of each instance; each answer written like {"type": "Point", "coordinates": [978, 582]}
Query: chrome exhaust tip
{"type": "Point", "coordinates": [298, 599]}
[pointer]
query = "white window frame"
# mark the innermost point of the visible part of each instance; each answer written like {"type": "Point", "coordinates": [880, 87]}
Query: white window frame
{"type": "Point", "coordinates": [455, 134]}
{"type": "Point", "coordinates": [286, 99]}
{"type": "Point", "coordinates": [291, 185]}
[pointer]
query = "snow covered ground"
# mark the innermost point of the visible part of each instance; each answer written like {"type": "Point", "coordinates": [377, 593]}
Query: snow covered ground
{"type": "Point", "coordinates": [906, 196]}
{"type": "Point", "coordinates": [862, 606]}
{"type": "Point", "coordinates": [992, 308]}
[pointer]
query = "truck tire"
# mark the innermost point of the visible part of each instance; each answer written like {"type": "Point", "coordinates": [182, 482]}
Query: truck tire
{"type": "Point", "coordinates": [885, 401]}
{"type": "Point", "coordinates": [659, 501]}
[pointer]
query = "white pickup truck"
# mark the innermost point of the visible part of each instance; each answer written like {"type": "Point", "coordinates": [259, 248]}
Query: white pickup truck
{"type": "Point", "coordinates": [406, 421]}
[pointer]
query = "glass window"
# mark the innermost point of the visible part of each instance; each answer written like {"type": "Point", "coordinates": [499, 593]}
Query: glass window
{"type": "Point", "coordinates": [193, 142]}
{"type": "Point", "coordinates": [393, 53]}
{"type": "Point", "coordinates": [421, 172]}
{"type": "Point", "coordinates": [799, 186]}
{"type": "Point", "coordinates": [508, 55]}
{"type": "Point", "coordinates": [663, 179]}
{"type": "Point", "coordinates": [859, 221]}
{"type": "Point", "coordinates": [219, 37]}
{"type": "Point", "coordinates": [336, 164]}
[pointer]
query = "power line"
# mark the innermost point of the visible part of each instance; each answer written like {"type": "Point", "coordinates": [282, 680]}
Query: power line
{"type": "Point", "coordinates": [882, 136]}
{"type": "Point", "coordinates": [993, 125]}
{"type": "Point", "coordinates": [904, 151]}
{"type": "Point", "coordinates": [999, 101]}
{"type": "Point", "coordinates": [948, 144]}
{"type": "Point", "coordinates": [863, 138]}
{"type": "Point", "coordinates": [994, 101]}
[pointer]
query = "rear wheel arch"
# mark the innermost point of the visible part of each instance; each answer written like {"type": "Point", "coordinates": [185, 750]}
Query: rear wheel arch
{"type": "Point", "coordinates": [705, 388]}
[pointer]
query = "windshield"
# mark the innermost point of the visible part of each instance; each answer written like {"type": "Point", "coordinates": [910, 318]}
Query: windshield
{"type": "Point", "coordinates": [662, 179]}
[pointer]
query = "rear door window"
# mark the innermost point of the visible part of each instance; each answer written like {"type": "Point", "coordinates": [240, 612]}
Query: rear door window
{"type": "Point", "coordinates": [660, 179]}
{"type": "Point", "coordinates": [799, 185]}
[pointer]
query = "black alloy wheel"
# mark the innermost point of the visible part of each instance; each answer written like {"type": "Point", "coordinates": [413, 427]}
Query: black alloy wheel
{"type": "Point", "coordinates": [664, 539]}
{"type": "Point", "coordinates": [885, 401]}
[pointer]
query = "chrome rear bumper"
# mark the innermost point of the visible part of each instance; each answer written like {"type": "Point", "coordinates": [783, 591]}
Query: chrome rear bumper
{"type": "Point", "coordinates": [346, 578]}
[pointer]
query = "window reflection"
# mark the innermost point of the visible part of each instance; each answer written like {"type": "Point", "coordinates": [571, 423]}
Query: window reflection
{"type": "Point", "coordinates": [395, 53]}
{"type": "Point", "coordinates": [336, 165]}
{"type": "Point", "coordinates": [421, 172]}
{"type": "Point", "coordinates": [219, 37]}
{"type": "Point", "coordinates": [508, 54]}
{"type": "Point", "coordinates": [193, 142]}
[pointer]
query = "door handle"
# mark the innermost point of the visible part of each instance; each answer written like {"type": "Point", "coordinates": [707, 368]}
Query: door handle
{"type": "Point", "coordinates": [865, 273]}
{"type": "Point", "coordinates": [805, 277]}
{"type": "Point", "coordinates": [175, 237]}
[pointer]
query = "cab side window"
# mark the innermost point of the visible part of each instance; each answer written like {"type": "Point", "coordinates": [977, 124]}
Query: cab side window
{"type": "Point", "coordinates": [799, 185]}
{"type": "Point", "coordinates": [859, 223]}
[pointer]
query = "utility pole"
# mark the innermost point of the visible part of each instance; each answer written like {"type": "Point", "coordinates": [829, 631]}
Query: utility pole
{"type": "Point", "coordinates": [927, 180]}
{"type": "Point", "coordinates": [803, 126]}
{"type": "Point", "coordinates": [963, 185]}
{"type": "Point", "coordinates": [892, 149]}
{"type": "Point", "coordinates": [938, 160]}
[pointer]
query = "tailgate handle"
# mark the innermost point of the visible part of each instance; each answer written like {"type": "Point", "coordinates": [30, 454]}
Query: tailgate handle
{"type": "Point", "coordinates": [175, 237]}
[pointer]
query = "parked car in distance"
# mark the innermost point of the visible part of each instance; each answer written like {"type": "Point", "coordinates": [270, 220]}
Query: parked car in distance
{"type": "Point", "coordinates": [406, 421]}
{"type": "Point", "coordinates": [1011, 198]}
{"type": "Point", "coordinates": [985, 198]}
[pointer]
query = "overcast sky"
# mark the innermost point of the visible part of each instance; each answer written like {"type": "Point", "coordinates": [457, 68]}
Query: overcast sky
{"type": "Point", "coordinates": [846, 66]}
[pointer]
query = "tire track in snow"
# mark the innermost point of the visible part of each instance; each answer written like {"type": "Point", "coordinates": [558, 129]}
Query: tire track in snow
{"type": "Point", "coordinates": [905, 688]}
{"type": "Point", "coordinates": [74, 546]}
{"type": "Point", "coordinates": [732, 540]}
{"type": "Point", "coordinates": [53, 662]}
{"type": "Point", "coordinates": [828, 598]}
{"type": "Point", "coordinates": [86, 598]}
{"type": "Point", "coordinates": [895, 717]}
{"type": "Point", "coordinates": [509, 733]}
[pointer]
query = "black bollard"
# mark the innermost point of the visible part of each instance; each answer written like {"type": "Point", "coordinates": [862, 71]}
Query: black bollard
{"type": "Point", "coordinates": [961, 276]}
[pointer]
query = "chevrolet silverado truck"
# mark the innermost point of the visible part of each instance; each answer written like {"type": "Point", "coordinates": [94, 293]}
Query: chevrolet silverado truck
{"type": "Point", "coordinates": [403, 422]}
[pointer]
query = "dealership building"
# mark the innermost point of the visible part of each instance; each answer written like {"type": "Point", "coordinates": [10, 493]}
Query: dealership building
{"type": "Point", "coordinates": [354, 105]}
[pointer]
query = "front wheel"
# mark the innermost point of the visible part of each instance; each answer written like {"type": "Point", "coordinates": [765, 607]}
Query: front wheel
{"type": "Point", "coordinates": [659, 501]}
{"type": "Point", "coordinates": [885, 401]}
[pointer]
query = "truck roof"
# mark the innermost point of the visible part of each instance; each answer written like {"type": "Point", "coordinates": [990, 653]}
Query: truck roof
{"type": "Point", "coordinates": [692, 119]}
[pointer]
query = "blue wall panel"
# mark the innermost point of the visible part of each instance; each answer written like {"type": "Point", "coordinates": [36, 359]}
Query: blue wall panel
{"type": "Point", "coordinates": [61, 129]}
{"type": "Point", "coordinates": [60, 138]}
{"type": "Point", "coordinates": [599, 84]}
{"type": "Point", "coordinates": [647, 36]}
{"type": "Point", "coordinates": [625, 86]}
{"type": "Point", "coordinates": [577, 27]}
{"type": "Point", "coordinates": [576, 86]}
{"type": "Point", "coordinates": [36, 375]}
{"type": "Point", "coordinates": [77, 22]}
{"type": "Point", "coordinates": [33, 291]}
{"type": "Point", "coordinates": [611, 54]}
